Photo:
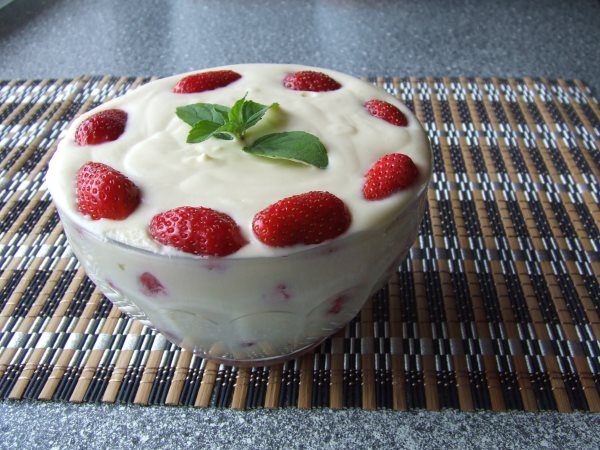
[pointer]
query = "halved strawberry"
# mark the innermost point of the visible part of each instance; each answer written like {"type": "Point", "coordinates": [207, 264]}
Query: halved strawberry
{"type": "Point", "coordinates": [308, 80]}
{"type": "Point", "coordinates": [205, 81]}
{"type": "Point", "coordinates": [308, 218]}
{"type": "Point", "coordinates": [151, 286]}
{"type": "Point", "coordinates": [389, 174]}
{"type": "Point", "coordinates": [104, 126]}
{"type": "Point", "coordinates": [197, 230]}
{"type": "Point", "coordinates": [386, 111]}
{"type": "Point", "coordinates": [337, 304]}
{"type": "Point", "coordinates": [105, 193]}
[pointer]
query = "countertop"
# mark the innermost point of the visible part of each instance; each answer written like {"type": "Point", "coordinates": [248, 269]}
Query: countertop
{"type": "Point", "coordinates": [56, 425]}
{"type": "Point", "coordinates": [68, 38]}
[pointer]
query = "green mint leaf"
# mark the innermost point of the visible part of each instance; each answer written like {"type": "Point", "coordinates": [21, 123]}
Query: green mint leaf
{"type": "Point", "coordinates": [252, 112]}
{"type": "Point", "coordinates": [201, 131]}
{"type": "Point", "coordinates": [234, 117]}
{"type": "Point", "coordinates": [245, 114]}
{"type": "Point", "coordinates": [192, 114]}
{"type": "Point", "coordinates": [212, 120]}
{"type": "Point", "coordinates": [224, 136]}
{"type": "Point", "coordinates": [227, 131]}
{"type": "Point", "coordinates": [292, 145]}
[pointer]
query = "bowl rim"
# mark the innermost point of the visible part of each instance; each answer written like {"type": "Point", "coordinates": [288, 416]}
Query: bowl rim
{"type": "Point", "coordinates": [283, 252]}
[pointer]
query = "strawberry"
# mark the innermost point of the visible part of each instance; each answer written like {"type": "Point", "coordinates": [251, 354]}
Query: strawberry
{"type": "Point", "coordinates": [308, 218]}
{"type": "Point", "coordinates": [197, 230]}
{"type": "Point", "coordinates": [308, 80]}
{"type": "Point", "coordinates": [105, 193]}
{"type": "Point", "coordinates": [205, 81]}
{"type": "Point", "coordinates": [391, 173]}
{"type": "Point", "coordinates": [386, 111]}
{"type": "Point", "coordinates": [151, 286]}
{"type": "Point", "coordinates": [337, 304]}
{"type": "Point", "coordinates": [104, 126]}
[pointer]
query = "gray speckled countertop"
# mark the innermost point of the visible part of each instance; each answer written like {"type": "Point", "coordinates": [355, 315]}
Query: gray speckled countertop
{"type": "Point", "coordinates": [67, 38]}
{"type": "Point", "coordinates": [123, 427]}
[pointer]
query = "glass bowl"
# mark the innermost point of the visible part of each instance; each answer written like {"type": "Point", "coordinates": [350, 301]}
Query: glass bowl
{"type": "Point", "coordinates": [248, 311]}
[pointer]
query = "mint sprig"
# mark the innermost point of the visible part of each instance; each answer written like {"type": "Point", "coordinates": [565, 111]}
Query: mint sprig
{"type": "Point", "coordinates": [212, 120]}
{"type": "Point", "coordinates": [218, 121]}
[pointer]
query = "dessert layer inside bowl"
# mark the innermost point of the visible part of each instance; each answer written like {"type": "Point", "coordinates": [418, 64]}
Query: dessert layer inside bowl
{"type": "Point", "coordinates": [216, 173]}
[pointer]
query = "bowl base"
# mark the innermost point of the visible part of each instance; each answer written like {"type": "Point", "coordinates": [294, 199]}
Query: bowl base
{"type": "Point", "coordinates": [271, 360]}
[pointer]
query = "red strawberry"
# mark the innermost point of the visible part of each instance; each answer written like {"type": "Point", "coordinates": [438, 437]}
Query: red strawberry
{"type": "Point", "coordinates": [389, 174]}
{"type": "Point", "coordinates": [308, 80]}
{"type": "Point", "coordinates": [386, 111]}
{"type": "Point", "coordinates": [205, 81]}
{"type": "Point", "coordinates": [104, 126]}
{"type": "Point", "coordinates": [200, 231]}
{"type": "Point", "coordinates": [337, 305]}
{"type": "Point", "coordinates": [105, 193]}
{"type": "Point", "coordinates": [308, 218]}
{"type": "Point", "coordinates": [151, 285]}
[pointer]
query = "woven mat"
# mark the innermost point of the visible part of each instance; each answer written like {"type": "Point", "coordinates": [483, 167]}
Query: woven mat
{"type": "Point", "coordinates": [497, 306]}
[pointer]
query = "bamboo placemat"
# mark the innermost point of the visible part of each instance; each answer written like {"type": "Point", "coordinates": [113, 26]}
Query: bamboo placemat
{"type": "Point", "coordinates": [497, 306]}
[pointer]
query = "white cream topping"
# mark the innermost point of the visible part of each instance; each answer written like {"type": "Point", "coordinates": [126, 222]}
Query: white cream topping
{"type": "Point", "coordinates": [217, 174]}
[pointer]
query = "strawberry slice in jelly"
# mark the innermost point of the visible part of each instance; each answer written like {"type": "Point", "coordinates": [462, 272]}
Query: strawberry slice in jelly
{"type": "Point", "coordinates": [151, 286]}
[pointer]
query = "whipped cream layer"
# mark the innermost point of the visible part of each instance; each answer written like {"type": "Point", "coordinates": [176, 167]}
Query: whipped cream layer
{"type": "Point", "coordinates": [217, 174]}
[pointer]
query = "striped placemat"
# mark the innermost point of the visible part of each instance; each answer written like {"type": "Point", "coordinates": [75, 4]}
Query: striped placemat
{"type": "Point", "coordinates": [497, 306]}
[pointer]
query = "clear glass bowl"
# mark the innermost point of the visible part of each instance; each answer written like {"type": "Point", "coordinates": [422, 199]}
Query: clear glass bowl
{"type": "Point", "coordinates": [248, 311]}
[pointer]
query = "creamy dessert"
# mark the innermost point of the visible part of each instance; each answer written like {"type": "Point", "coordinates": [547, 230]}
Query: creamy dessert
{"type": "Point", "coordinates": [247, 212]}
